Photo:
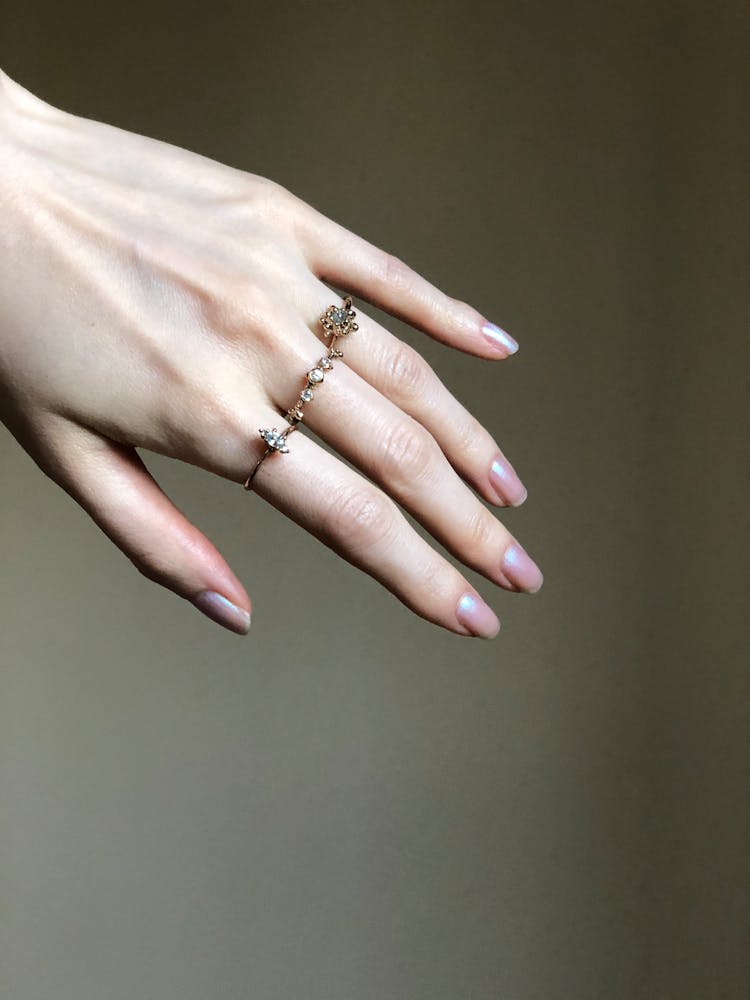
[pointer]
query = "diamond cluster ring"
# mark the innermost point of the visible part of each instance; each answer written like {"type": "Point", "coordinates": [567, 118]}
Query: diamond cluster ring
{"type": "Point", "coordinates": [337, 321]}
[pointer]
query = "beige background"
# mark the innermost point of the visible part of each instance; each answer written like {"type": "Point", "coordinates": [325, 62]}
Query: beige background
{"type": "Point", "coordinates": [351, 804]}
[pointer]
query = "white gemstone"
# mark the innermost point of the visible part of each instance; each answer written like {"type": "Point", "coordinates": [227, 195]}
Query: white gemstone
{"type": "Point", "coordinates": [316, 375]}
{"type": "Point", "coordinates": [339, 316]}
{"type": "Point", "coordinates": [306, 394]}
{"type": "Point", "coordinates": [326, 363]}
{"type": "Point", "coordinates": [274, 439]}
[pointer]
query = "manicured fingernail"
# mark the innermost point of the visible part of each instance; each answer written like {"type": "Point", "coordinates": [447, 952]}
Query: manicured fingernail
{"type": "Point", "coordinates": [477, 617]}
{"type": "Point", "coordinates": [220, 610]}
{"type": "Point", "coordinates": [499, 338]}
{"type": "Point", "coordinates": [506, 483]}
{"type": "Point", "coordinates": [521, 569]}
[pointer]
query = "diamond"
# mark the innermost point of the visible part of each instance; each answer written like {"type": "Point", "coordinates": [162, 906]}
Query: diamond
{"type": "Point", "coordinates": [274, 439]}
{"type": "Point", "coordinates": [339, 316]}
{"type": "Point", "coordinates": [326, 364]}
{"type": "Point", "coordinates": [306, 395]}
{"type": "Point", "coordinates": [315, 375]}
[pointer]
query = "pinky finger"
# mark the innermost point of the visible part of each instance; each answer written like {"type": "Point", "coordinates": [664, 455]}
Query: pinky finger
{"type": "Point", "coordinates": [111, 483]}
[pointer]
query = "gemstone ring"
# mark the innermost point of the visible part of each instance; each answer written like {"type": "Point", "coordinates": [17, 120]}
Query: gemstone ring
{"type": "Point", "coordinates": [337, 321]}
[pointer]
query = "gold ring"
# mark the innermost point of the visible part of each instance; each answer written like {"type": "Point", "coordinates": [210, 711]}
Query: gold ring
{"type": "Point", "coordinates": [337, 321]}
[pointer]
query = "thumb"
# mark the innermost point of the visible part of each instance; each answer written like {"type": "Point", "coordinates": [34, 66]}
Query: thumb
{"type": "Point", "coordinates": [110, 481]}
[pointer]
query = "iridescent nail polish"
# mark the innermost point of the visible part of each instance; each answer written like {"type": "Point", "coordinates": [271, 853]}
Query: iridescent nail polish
{"type": "Point", "coordinates": [477, 617]}
{"type": "Point", "coordinates": [500, 338]}
{"type": "Point", "coordinates": [221, 610]}
{"type": "Point", "coordinates": [506, 483]}
{"type": "Point", "coordinates": [521, 569]}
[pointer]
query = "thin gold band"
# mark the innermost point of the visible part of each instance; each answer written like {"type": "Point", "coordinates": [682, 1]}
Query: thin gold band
{"type": "Point", "coordinates": [337, 321]}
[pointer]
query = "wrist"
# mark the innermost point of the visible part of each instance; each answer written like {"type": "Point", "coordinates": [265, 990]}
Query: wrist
{"type": "Point", "coordinates": [17, 102]}
{"type": "Point", "coordinates": [25, 118]}
{"type": "Point", "coordinates": [27, 127]}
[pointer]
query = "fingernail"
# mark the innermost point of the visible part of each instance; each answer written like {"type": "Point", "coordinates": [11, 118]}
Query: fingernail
{"type": "Point", "coordinates": [506, 483]}
{"type": "Point", "coordinates": [521, 569]}
{"type": "Point", "coordinates": [499, 338]}
{"type": "Point", "coordinates": [477, 617]}
{"type": "Point", "coordinates": [221, 610]}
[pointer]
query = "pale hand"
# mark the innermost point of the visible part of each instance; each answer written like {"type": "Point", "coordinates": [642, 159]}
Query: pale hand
{"type": "Point", "coordinates": [150, 297]}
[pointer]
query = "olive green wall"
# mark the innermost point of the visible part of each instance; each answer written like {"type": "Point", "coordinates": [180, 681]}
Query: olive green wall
{"type": "Point", "coordinates": [351, 804]}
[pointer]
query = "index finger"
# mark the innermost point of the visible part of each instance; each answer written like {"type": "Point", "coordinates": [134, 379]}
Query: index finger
{"type": "Point", "coordinates": [341, 257]}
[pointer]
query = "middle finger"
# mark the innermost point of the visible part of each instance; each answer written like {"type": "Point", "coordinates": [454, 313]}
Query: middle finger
{"type": "Point", "coordinates": [400, 454]}
{"type": "Point", "coordinates": [402, 375]}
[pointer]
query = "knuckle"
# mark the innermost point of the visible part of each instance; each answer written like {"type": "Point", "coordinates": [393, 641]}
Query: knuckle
{"type": "Point", "coordinates": [154, 562]}
{"type": "Point", "coordinates": [166, 562]}
{"type": "Point", "coordinates": [481, 536]}
{"type": "Point", "coordinates": [275, 203]}
{"type": "Point", "coordinates": [290, 215]}
{"type": "Point", "coordinates": [392, 271]}
{"type": "Point", "coordinates": [408, 452]}
{"type": "Point", "coordinates": [151, 567]}
{"type": "Point", "coordinates": [472, 439]}
{"type": "Point", "coordinates": [262, 202]}
{"type": "Point", "coordinates": [406, 372]}
{"type": "Point", "coordinates": [59, 454]}
{"type": "Point", "coordinates": [266, 194]}
{"type": "Point", "coordinates": [360, 517]}
{"type": "Point", "coordinates": [224, 428]}
{"type": "Point", "coordinates": [53, 464]}
{"type": "Point", "coordinates": [156, 566]}
{"type": "Point", "coordinates": [204, 423]}
{"type": "Point", "coordinates": [240, 307]}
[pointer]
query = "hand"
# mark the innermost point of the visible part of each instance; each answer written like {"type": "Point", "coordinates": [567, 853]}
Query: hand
{"type": "Point", "coordinates": [150, 297]}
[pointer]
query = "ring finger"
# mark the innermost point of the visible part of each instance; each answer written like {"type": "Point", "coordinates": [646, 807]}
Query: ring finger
{"type": "Point", "coordinates": [357, 520]}
{"type": "Point", "coordinates": [404, 458]}
{"type": "Point", "coordinates": [402, 375]}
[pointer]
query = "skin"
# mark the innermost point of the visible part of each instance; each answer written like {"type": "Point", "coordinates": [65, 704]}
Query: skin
{"type": "Point", "coordinates": [151, 297]}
